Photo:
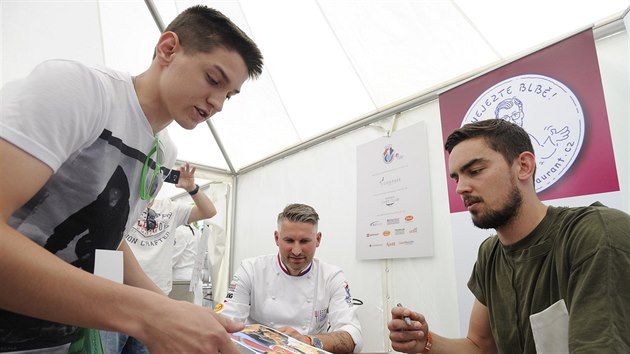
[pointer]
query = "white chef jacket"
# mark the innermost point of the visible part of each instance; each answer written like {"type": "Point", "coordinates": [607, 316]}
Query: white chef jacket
{"type": "Point", "coordinates": [318, 301]}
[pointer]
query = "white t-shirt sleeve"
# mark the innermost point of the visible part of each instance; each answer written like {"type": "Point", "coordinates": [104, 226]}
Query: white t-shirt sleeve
{"type": "Point", "coordinates": [184, 252]}
{"type": "Point", "coordinates": [54, 111]}
{"type": "Point", "coordinates": [182, 213]}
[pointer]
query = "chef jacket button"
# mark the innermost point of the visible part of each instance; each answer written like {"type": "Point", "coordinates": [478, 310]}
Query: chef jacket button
{"type": "Point", "coordinates": [273, 298]}
{"type": "Point", "coordinates": [308, 300]}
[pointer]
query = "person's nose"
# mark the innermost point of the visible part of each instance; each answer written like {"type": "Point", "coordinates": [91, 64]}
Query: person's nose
{"type": "Point", "coordinates": [463, 186]}
{"type": "Point", "coordinates": [296, 250]}
{"type": "Point", "coordinates": [216, 102]}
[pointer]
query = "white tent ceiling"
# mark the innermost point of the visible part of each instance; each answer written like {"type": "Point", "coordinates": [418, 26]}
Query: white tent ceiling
{"type": "Point", "coordinates": [327, 62]}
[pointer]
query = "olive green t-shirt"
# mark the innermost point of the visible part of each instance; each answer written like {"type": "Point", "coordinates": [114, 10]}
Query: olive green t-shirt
{"type": "Point", "coordinates": [581, 255]}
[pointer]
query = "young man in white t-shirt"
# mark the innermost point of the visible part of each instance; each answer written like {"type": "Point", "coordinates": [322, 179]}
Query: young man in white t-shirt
{"type": "Point", "coordinates": [83, 149]}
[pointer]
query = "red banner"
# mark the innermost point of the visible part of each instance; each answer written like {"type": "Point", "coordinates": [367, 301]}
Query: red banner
{"type": "Point", "coordinates": [556, 94]}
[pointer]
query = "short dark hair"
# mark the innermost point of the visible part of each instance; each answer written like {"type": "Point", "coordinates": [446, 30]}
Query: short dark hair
{"type": "Point", "coordinates": [203, 29]}
{"type": "Point", "coordinates": [508, 139]}
{"type": "Point", "coordinates": [299, 213]}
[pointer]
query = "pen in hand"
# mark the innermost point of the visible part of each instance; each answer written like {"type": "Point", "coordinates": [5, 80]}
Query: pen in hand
{"type": "Point", "coordinates": [406, 318]}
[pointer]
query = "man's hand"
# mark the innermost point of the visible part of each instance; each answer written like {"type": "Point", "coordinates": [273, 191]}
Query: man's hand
{"type": "Point", "coordinates": [186, 328]}
{"type": "Point", "coordinates": [204, 208]}
{"type": "Point", "coordinates": [186, 177]}
{"type": "Point", "coordinates": [334, 342]}
{"type": "Point", "coordinates": [292, 332]}
{"type": "Point", "coordinates": [407, 338]}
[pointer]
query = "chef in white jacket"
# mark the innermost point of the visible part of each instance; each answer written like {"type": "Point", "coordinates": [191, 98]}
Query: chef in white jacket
{"type": "Point", "coordinates": [293, 292]}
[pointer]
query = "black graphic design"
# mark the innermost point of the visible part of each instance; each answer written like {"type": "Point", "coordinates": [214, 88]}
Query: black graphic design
{"type": "Point", "coordinates": [100, 225]}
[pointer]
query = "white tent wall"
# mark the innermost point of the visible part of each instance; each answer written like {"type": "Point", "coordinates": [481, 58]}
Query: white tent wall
{"type": "Point", "coordinates": [326, 61]}
{"type": "Point", "coordinates": [324, 176]}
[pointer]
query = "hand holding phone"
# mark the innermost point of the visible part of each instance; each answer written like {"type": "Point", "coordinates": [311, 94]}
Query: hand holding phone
{"type": "Point", "coordinates": [173, 177]}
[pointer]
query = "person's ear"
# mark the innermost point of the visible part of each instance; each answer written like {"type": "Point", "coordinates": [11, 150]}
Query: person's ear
{"type": "Point", "coordinates": [526, 164]}
{"type": "Point", "coordinates": [168, 44]}
{"type": "Point", "coordinates": [276, 236]}
{"type": "Point", "coordinates": [318, 238]}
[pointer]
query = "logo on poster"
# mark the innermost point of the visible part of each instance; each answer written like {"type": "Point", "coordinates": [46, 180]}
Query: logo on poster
{"type": "Point", "coordinates": [393, 221]}
{"type": "Point", "coordinates": [390, 200]}
{"type": "Point", "coordinates": [548, 110]}
{"type": "Point", "coordinates": [388, 154]}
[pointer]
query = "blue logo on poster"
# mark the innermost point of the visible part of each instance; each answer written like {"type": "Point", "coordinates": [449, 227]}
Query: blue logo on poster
{"type": "Point", "coordinates": [388, 154]}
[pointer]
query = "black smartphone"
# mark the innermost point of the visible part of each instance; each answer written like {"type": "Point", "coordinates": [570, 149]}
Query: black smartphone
{"type": "Point", "coordinates": [172, 177]}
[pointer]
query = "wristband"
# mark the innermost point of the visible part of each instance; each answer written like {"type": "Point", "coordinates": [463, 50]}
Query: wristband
{"type": "Point", "coordinates": [194, 191]}
{"type": "Point", "coordinates": [427, 347]}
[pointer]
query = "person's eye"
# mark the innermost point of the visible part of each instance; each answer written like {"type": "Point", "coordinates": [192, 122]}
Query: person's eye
{"type": "Point", "coordinates": [211, 80]}
{"type": "Point", "coordinates": [475, 171]}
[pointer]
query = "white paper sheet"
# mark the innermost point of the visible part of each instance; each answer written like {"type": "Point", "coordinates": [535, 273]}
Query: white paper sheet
{"type": "Point", "coordinates": [551, 329]}
{"type": "Point", "coordinates": [109, 264]}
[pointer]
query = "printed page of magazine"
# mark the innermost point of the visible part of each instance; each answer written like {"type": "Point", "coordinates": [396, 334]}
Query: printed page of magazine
{"type": "Point", "coordinates": [259, 339]}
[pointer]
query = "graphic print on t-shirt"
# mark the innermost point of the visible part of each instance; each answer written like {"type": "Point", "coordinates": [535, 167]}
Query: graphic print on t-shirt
{"type": "Point", "coordinates": [142, 236]}
{"type": "Point", "coordinates": [95, 224]}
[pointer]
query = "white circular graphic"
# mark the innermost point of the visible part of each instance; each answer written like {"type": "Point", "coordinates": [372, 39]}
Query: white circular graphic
{"type": "Point", "coordinates": [548, 110]}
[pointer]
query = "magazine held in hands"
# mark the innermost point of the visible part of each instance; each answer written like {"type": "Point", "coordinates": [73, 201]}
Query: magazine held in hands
{"type": "Point", "coordinates": [257, 339]}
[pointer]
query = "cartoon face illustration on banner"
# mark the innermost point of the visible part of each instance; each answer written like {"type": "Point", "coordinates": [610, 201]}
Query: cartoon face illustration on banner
{"type": "Point", "coordinates": [548, 110]}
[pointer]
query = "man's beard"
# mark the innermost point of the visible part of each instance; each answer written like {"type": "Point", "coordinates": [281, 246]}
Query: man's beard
{"type": "Point", "coordinates": [493, 219]}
